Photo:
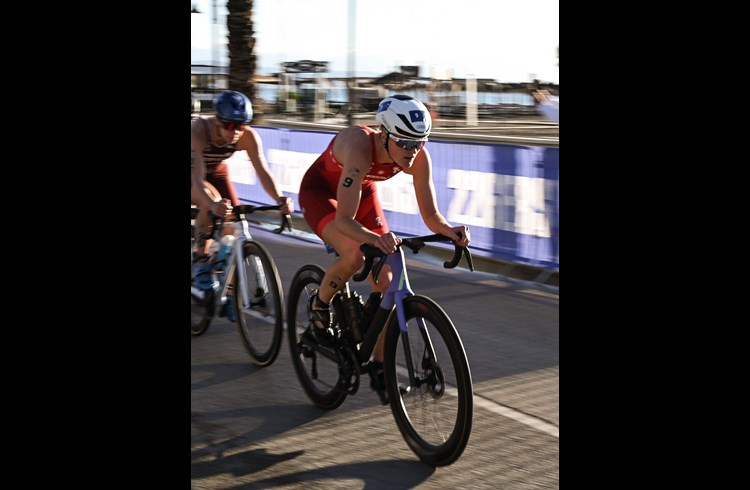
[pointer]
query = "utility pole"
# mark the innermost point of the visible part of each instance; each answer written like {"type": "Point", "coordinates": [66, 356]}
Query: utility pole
{"type": "Point", "coordinates": [350, 75]}
{"type": "Point", "coordinates": [214, 42]}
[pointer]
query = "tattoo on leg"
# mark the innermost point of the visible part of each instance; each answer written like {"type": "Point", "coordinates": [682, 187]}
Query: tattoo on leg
{"type": "Point", "coordinates": [335, 282]}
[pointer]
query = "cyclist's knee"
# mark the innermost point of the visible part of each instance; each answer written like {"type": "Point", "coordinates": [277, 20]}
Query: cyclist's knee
{"type": "Point", "coordinates": [353, 260]}
{"type": "Point", "coordinates": [383, 280]}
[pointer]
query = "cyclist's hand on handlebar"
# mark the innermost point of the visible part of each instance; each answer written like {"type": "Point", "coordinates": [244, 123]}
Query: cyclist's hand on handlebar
{"type": "Point", "coordinates": [387, 242]}
{"type": "Point", "coordinates": [221, 208]}
{"type": "Point", "coordinates": [460, 235]}
{"type": "Point", "coordinates": [286, 205]}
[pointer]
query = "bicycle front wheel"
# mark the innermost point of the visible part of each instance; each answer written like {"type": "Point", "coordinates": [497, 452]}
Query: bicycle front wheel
{"type": "Point", "coordinates": [317, 371]}
{"type": "Point", "coordinates": [429, 383]}
{"type": "Point", "coordinates": [258, 304]}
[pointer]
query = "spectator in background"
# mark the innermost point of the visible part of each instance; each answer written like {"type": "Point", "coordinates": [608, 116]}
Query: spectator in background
{"type": "Point", "coordinates": [547, 105]}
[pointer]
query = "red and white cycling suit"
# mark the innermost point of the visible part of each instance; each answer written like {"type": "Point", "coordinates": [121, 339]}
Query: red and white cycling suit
{"type": "Point", "coordinates": [317, 193]}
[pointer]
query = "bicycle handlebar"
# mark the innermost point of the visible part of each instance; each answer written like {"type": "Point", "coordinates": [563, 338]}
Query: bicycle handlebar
{"type": "Point", "coordinates": [415, 244]}
{"type": "Point", "coordinates": [286, 220]}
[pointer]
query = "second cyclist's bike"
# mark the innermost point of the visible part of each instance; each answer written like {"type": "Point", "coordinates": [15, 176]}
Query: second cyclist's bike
{"type": "Point", "coordinates": [427, 377]}
{"type": "Point", "coordinates": [250, 273]}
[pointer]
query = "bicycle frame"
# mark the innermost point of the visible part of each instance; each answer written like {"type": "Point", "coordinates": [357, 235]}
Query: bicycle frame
{"type": "Point", "coordinates": [242, 236]}
{"type": "Point", "coordinates": [398, 289]}
{"type": "Point", "coordinates": [435, 427]}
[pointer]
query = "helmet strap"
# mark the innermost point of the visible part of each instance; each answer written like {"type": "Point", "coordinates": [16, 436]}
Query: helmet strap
{"type": "Point", "coordinates": [385, 145]}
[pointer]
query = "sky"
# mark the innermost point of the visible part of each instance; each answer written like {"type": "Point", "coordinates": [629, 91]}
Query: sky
{"type": "Point", "coordinates": [504, 40]}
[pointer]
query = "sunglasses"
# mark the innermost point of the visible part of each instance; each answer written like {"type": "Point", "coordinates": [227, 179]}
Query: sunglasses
{"type": "Point", "coordinates": [407, 144]}
{"type": "Point", "coordinates": [231, 126]}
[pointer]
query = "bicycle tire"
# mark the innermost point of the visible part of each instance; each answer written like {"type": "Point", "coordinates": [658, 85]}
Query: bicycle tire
{"type": "Point", "coordinates": [325, 388]}
{"type": "Point", "coordinates": [201, 308]}
{"type": "Point", "coordinates": [435, 415]}
{"type": "Point", "coordinates": [201, 312]}
{"type": "Point", "coordinates": [261, 323]}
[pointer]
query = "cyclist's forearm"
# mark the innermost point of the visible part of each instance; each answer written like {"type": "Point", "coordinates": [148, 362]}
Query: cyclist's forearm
{"type": "Point", "coordinates": [437, 223]}
{"type": "Point", "coordinates": [354, 230]}
{"type": "Point", "coordinates": [270, 186]}
{"type": "Point", "coordinates": [258, 161]}
{"type": "Point", "coordinates": [199, 179]}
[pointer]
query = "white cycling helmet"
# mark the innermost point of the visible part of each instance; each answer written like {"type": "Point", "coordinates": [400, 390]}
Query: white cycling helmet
{"type": "Point", "coordinates": [404, 117]}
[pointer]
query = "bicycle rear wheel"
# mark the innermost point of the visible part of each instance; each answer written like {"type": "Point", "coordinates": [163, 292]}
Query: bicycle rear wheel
{"type": "Point", "coordinates": [433, 411]}
{"type": "Point", "coordinates": [201, 310]}
{"type": "Point", "coordinates": [201, 302]}
{"type": "Point", "coordinates": [318, 373]}
{"type": "Point", "coordinates": [259, 310]}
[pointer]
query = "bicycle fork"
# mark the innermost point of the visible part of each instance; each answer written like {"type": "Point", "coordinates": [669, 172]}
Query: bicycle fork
{"type": "Point", "coordinates": [397, 293]}
{"type": "Point", "coordinates": [236, 265]}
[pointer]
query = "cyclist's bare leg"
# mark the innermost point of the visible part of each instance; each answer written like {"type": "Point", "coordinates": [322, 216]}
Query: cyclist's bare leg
{"type": "Point", "coordinates": [203, 226]}
{"type": "Point", "coordinates": [349, 261]}
{"type": "Point", "coordinates": [385, 279]}
{"type": "Point", "coordinates": [345, 266]}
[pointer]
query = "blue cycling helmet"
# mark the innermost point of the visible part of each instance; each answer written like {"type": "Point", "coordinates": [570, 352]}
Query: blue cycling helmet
{"type": "Point", "coordinates": [233, 106]}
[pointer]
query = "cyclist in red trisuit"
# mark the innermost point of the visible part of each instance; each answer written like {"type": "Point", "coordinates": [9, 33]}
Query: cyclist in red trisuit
{"type": "Point", "coordinates": [339, 200]}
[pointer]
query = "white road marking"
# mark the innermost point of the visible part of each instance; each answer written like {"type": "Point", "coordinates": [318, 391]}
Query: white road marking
{"type": "Point", "coordinates": [494, 407]}
{"type": "Point", "coordinates": [532, 422]}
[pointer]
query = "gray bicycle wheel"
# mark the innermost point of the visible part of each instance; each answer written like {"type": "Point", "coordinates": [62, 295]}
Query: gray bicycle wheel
{"type": "Point", "coordinates": [260, 312]}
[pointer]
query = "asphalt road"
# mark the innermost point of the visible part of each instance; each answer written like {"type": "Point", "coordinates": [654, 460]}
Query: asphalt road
{"type": "Point", "coordinates": [255, 428]}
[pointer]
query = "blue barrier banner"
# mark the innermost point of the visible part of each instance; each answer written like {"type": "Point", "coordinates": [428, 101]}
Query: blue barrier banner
{"type": "Point", "coordinates": [508, 194]}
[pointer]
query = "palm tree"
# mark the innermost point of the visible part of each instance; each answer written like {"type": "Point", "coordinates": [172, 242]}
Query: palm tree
{"type": "Point", "coordinates": [241, 47]}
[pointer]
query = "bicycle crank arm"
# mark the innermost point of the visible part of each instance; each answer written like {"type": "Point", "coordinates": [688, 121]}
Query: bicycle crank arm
{"type": "Point", "coordinates": [328, 352]}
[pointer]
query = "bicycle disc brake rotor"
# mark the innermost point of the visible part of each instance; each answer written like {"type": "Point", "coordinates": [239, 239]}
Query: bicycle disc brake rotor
{"type": "Point", "coordinates": [434, 378]}
{"type": "Point", "coordinates": [258, 301]}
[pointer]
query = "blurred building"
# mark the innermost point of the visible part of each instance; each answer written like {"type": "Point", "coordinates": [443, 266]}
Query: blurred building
{"type": "Point", "coordinates": [306, 89]}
